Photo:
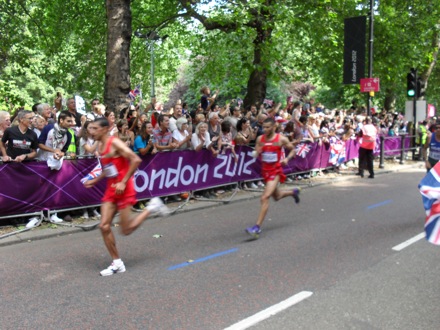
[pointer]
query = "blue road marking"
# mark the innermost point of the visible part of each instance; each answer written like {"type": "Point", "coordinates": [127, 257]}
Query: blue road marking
{"type": "Point", "coordinates": [379, 204]}
{"type": "Point", "coordinates": [212, 256]}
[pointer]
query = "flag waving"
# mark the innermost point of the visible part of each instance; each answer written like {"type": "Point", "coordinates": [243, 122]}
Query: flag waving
{"type": "Point", "coordinates": [135, 92]}
{"type": "Point", "coordinates": [302, 149]}
{"type": "Point", "coordinates": [97, 170]}
{"type": "Point", "coordinates": [430, 189]}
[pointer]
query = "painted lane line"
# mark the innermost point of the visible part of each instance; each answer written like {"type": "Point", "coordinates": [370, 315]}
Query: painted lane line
{"type": "Point", "coordinates": [271, 311]}
{"type": "Point", "coordinates": [407, 243]}
{"type": "Point", "coordinates": [379, 204]}
{"type": "Point", "coordinates": [212, 256]}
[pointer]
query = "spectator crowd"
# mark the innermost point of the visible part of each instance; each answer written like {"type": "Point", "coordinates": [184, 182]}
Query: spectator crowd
{"type": "Point", "coordinates": [53, 133]}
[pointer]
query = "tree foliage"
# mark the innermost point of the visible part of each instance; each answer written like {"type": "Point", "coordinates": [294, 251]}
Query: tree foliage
{"type": "Point", "coordinates": [54, 45]}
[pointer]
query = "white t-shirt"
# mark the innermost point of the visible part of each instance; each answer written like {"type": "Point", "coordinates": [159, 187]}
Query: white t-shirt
{"type": "Point", "coordinates": [179, 137]}
{"type": "Point", "coordinates": [195, 141]}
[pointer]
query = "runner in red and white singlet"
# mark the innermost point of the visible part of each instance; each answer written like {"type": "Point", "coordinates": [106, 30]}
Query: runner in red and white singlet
{"type": "Point", "coordinates": [119, 163]}
{"type": "Point", "coordinates": [271, 152]}
{"type": "Point", "coordinates": [269, 147]}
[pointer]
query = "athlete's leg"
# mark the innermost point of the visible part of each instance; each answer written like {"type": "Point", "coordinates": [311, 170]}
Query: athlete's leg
{"type": "Point", "coordinates": [129, 225]}
{"type": "Point", "coordinates": [269, 190]}
{"type": "Point", "coordinates": [108, 211]}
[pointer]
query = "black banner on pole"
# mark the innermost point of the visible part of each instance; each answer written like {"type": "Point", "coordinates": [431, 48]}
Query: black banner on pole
{"type": "Point", "coordinates": [354, 49]}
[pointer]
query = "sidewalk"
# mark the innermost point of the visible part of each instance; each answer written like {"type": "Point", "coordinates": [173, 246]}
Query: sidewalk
{"type": "Point", "coordinates": [48, 230]}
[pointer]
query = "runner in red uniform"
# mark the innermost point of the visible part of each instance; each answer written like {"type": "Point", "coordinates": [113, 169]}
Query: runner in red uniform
{"type": "Point", "coordinates": [269, 147]}
{"type": "Point", "coordinates": [118, 165]}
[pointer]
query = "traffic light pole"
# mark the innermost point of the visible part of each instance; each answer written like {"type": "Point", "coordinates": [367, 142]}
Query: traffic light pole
{"type": "Point", "coordinates": [370, 55]}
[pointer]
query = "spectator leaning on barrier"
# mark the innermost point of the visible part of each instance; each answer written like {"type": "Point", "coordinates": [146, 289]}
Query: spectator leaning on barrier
{"type": "Point", "coordinates": [182, 135]}
{"type": "Point", "coordinates": [20, 142]}
{"type": "Point", "coordinates": [143, 143]}
{"type": "Point", "coordinates": [163, 140]}
{"type": "Point", "coordinates": [55, 139]}
{"type": "Point", "coordinates": [162, 137]}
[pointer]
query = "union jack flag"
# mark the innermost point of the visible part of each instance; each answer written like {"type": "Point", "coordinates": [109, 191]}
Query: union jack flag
{"type": "Point", "coordinates": [337, 152]}
{"type": "Point", "coordinates": [135, 92]}
{"type": "Point", "coordinates": [97, 170]}
{"type": "Point", "coordinates": [430, 189]}
{"type": "Point", "coordinates": [302, 149]}
{"type": "Point", "coordinates": [268, 102]}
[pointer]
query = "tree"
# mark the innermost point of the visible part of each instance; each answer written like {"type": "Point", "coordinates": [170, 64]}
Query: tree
{"type": "Point", "coordinates": [117, 75]}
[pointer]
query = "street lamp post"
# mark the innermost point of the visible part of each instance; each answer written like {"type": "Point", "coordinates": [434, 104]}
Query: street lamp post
{"type": "Point", "coordinates": [151, 37]}
{"type": "Point", "coordinates": [153, 93]}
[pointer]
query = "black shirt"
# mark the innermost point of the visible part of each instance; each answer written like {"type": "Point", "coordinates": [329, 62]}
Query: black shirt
{"type": "Point", "coordinates": [19, 143]}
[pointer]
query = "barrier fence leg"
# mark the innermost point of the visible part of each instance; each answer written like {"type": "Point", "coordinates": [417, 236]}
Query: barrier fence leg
{"type": "Point", "coordinates": [382, 147]}
{"type": "Point", "coordinates": [402, 149]}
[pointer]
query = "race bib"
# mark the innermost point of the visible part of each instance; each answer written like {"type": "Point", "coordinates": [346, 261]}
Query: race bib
{"type": "Point", "coordinates": [110, 170]}
{"type": "Point", "coordinates": [269, 157]}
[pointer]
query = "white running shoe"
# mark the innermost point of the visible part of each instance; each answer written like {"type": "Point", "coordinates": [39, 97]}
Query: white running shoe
{"type": "Point", "coordinates": [96, 213]}
{"type": "Point", "coordinates": [85, 214]}
{"type": "Point", "coordinates": [32, 222]}
{"type": "Point", "coordinates": [54, 218]}
{"type": "Point", "coordinates": [113, 269]}
{"type": "Point", "coordinates": [157, 206]}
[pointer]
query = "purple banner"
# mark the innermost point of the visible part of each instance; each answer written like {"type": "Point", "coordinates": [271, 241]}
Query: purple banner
{"type": "Point", "coordinates": [32, 186]}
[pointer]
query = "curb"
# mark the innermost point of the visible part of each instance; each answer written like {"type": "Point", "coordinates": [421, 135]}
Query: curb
{"type": "Point", "coordinates": [40, 234]}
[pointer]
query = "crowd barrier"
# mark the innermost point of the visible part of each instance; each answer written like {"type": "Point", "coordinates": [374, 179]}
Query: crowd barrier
{"type": "Point", "coordinates": [31, 187]}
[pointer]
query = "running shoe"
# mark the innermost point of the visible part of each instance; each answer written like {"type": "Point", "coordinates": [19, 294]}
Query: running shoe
{"type": "Point", "coordinates": [113, 269]}
{"type": "Point", "coordinates": [295, 195]}
{"type": "Point", "coordinates": [32, 222]}
{"type": "Point", "coordinates": [254, 231]}
{"type": "Point", "coordinates": [157, 206]}
{"type": "Point", "coordinates": [54, 218]}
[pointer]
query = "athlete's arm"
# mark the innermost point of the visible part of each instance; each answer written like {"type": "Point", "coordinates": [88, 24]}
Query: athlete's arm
{"type": "Point", "coordinates": [122, 149]}
{"type": "Point", "coordinates": [289, 145]}
{"type": "Point", "coordinates": [258, 145]}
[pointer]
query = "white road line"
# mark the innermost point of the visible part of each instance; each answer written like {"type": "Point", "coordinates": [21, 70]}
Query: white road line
{"type": "Point", "coordinates": [407, 243]}
{"type": "Point", "coordinates": [268, 312]}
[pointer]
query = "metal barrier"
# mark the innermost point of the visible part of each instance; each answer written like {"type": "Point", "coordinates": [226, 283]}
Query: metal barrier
{"type": "Point", "coordinates": [402, 148]}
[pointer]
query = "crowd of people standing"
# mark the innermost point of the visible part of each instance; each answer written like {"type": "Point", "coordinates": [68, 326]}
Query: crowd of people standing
{"type": "Point", "coordinates": [52, 133]}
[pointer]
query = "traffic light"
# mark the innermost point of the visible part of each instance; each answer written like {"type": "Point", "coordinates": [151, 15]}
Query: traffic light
{"type": "Point", "coordinates": [421, 87]}
{"type": "Point", "coordinates": [411, 83]}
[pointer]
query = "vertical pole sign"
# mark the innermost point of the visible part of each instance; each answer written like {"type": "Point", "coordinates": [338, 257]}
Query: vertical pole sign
{"type": "Point", "coordinates": [354, 49]}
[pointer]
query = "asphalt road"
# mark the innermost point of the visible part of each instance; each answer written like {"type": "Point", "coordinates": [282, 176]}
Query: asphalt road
{"type": "Point", "coordinates": [204, 273]}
